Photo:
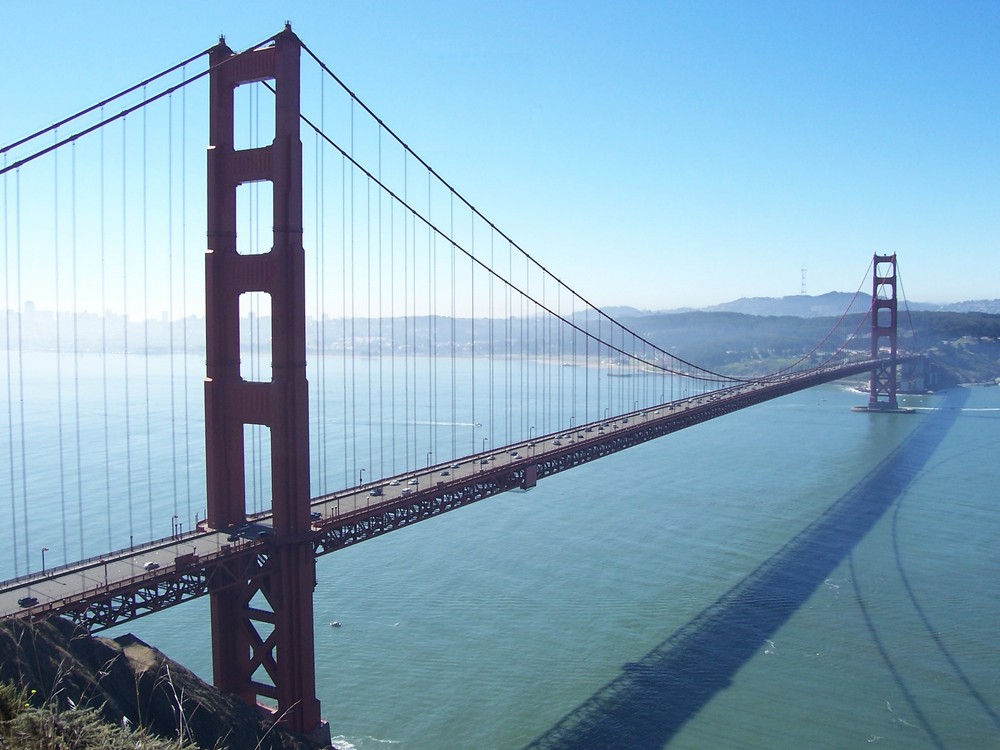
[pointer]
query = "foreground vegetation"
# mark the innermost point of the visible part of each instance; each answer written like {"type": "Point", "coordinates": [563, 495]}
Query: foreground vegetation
{"type": "Point", "coordinates": [62, 689]}
{"type": "Point", "coordinates": [27, 726]}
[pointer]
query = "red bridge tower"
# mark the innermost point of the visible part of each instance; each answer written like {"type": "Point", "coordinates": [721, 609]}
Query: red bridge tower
{"type": "Point", "coordinates": [882, 386]}
{"type": "Point", "coordinates": [262, 620]}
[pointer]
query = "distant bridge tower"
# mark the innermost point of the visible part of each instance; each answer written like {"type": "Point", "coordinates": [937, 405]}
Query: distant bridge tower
{"type": "Point", "coordinates": [882, 386]}
{"type": "Point", "coordinates": [262, 611]}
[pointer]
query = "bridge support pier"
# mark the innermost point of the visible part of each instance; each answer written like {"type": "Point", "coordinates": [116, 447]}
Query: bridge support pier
{"type": "Point", "coordinates": [262, 619]}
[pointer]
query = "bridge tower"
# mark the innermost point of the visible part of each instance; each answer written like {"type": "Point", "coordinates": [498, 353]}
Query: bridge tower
{"type": "Point", "coordinates": [882, 385]}
{"type": "Point", "coordinates": [262, 611]}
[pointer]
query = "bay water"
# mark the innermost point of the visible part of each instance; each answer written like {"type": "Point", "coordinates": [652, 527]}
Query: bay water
{"type": "Point", "coordinates": [794, 575]}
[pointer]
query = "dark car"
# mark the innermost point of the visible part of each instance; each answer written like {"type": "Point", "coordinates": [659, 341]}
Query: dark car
{"type": "Point", "coordinates": [28, 601]}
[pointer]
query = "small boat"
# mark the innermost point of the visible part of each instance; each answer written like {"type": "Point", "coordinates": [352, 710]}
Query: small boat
{"type": "Point", "coordinates": [334, 624]}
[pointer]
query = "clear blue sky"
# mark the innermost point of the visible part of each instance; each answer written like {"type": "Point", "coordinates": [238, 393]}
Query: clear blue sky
{"type": "Point", "coordinates": [658, 154]}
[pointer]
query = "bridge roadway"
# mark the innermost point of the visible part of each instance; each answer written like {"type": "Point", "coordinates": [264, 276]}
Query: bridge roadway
{"type": "Point", "coordinates": [123, 585]}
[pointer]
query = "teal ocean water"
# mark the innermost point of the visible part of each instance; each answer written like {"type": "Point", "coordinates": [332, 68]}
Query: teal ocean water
{"type": "Point", "coordinates": [791, 576]}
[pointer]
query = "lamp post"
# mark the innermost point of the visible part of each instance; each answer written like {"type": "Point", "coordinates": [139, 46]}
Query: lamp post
{"type": "Point", "coordinates": [482, 462]}
{"type": "Point", "coordinates": [361, 477]}
{"type": "Point", "coordinates": [44, 550]}
{"type": "Point", "coordinates": [173, 525]}
{"type": "Point", "coordinates": [429, 454]}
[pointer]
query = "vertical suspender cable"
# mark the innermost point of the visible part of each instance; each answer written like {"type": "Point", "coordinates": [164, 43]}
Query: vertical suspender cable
{"type": "Point", "coordinates": [319, 252]}
{"type": "Point", "coordinates": [393, 468]}
{"type": "Point", "coordinates": [573, 375]}
{"type": "Point", "coordinates": [343, 306]}
{"type": "Point", "coordinates": [587, 374]}
{"type": "Point", "coordinates": [76, 355]}
{"type": "Point", "coordinates": [319, 382]}
{"type": "Point", "coordinates": [10, 377]}
{"type": "Point", "coordinates": [125, 349]}
{"type": "Point", "coordinates": [406, 319]}
{"type": "Point", "coordinates": [59, 385]}
{"type": "Point", "coordinates": [381, 399]}
{"type": "Point", "coordinates": [184, 310]}
{"type": "Point", "coordinates": [454, 315]}
{"type": "Point", "coordinates": [472, 342]}
{"type": "Point", "coordinates": [104, 341]}
{"type": "Point", "coordinates": [508, 338]}
{"type": "Point", "coordinates": [368, 323]}
{"type": "Point", "coordinates": [20, 369]}
{"type": "Point", "coordinates": [412, 387]}
{"type": "Point", "coordinates": [145, 313]}
{"type": "Point", "coordinates": [431, 328]}
{"type": "Point", "coordinates": [171, 323]}
{"type": "Point", "coordinates": [354, 315]}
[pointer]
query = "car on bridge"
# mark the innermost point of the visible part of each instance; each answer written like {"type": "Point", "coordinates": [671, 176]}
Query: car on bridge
{"type": "Point", "coordinates": [151, 565]}
{"type": "Point", "coordinates": [27, 601]}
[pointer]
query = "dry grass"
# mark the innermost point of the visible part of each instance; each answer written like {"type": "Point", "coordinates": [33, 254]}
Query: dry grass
{"type": "Point", "coordinates": [27, 726]}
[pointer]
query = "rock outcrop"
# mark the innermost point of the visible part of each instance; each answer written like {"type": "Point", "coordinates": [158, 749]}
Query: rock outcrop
{"type": "Point", "coordinates": [128, 681]}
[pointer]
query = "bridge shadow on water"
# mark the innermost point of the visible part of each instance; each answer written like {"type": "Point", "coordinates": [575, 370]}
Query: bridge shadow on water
{"type": "Point", "coordinates": [652, 699]}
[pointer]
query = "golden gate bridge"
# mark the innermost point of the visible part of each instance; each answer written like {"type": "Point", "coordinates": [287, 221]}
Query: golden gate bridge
{"type": "Point", "coordinates": [445, 363]}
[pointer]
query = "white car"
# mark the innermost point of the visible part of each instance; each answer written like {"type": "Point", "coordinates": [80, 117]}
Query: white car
{"type": "Point", "coordinates": [151, 565]}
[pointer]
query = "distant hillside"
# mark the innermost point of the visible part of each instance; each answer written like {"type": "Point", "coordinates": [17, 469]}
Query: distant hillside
{"type": "Point", "coordinates": [801, 305]}
{"type": "Point", "coordinates": [965, 347]}
{"type": "Point", "coordinates": [825, 305]}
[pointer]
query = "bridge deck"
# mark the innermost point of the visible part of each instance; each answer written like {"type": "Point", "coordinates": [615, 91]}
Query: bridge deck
{"type": "Point", "coordinates": [127, 584]}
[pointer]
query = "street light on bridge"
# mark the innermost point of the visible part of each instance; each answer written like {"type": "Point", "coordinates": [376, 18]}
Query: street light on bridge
{"type": "Point", "coordinates": [429, 454]}
{"type": "Point", "coordinates": [44, 550]}
{"type": "Point", "coordinates": [361, 477]}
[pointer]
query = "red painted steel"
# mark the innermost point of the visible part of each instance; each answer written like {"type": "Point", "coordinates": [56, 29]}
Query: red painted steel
{"type": "Point", "coordinates": [284, 576]}
{"type": "Point", "coordinates": [882, 385]}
